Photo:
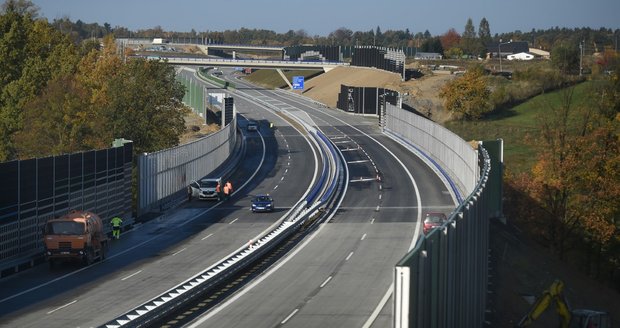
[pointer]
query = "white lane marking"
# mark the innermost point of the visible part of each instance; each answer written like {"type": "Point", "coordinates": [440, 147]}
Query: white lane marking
{"type": "Point", "coordinates": [276, 187]}
{"type": "Point", "coordinates": [207, 236]}
{"type": "Point", "coordinates": [357, 162]}
{"type": "Point", "coordinates": [341, 142]}
{"type": "Point", "coordinates": [348, 257]}
{"type": "Point", "coordinates": [380, 306]}
{"type": "Point", "coordinates": [233, 221]}
{"type": "Point", "coordinates": [177, 252]}
{"type": "Point", "coordinates": [363, 237]}
{"type": "Point", "coordinates": [380, 195]}
{"type": "Point", "coordinates": [348, 149]}
{"type": "Point", "coordinates": [286, 171]}
{"type": "Point", "coordinates": [131, 275]}
{"type": "Point", "coordinates": [289, 316]}
{"type": "Point", "coordinates": [325, 282]}
{"type": "Point", "coordinates": [62, 307]}
{"type": "Point", "coordinates": [281, 178]}
{"type": "Point", "coordinates": [377, 209]}
{"type": "Point", "coordinates": [362, 180]}
{"type": "Point", "coordinates": [372, 221]}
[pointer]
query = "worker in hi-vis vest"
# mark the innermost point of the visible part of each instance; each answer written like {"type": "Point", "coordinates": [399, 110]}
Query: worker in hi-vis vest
{"type": "Point", "coordinates": [116, 227]}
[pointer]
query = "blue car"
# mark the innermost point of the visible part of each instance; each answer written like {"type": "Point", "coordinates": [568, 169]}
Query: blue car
{"type": "Point", "coordinates": [262, 203]}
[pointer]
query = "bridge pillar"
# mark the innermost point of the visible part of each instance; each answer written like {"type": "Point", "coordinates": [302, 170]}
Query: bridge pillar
{"type": "Point", "coordinates": [285, 79]}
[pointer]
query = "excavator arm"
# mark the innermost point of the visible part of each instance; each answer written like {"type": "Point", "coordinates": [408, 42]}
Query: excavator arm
{"type": "Point", "coordinates": [553, 294]}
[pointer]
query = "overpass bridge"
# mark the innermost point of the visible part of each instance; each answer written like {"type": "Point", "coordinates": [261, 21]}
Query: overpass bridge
{"type": "Point", "coordinates": [251, 63]}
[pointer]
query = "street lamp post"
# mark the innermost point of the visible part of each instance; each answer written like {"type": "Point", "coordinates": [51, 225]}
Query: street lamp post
{"type": "Point", "coordinates": [499, 47]}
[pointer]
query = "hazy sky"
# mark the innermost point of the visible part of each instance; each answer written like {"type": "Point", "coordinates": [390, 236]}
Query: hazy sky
{"type": "Point", "coordinates": [320, 17]}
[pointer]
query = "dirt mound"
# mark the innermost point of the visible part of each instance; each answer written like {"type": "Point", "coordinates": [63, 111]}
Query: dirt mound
{"type": "Point", "coordinates": [421, 94]}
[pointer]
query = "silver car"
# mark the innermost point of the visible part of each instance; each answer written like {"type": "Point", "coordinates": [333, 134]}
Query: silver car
{"type": "Point", "coordinates": [206, 188]}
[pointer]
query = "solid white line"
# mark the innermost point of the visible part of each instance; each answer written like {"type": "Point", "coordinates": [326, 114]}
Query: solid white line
{"type": "Point", "coordinates": [289, 316]}
{"type": "Point", "coordinates": [375, 313]}
{"type": "Point", "coordinates": [62, 307]}
{"type": "Point", "coordinates": [233, 221]}
{"type": "Point", "coordinates": [363, 237]}
{"type": "Point", "coordinates": [131, 275]}
{"type": "Point", "coordinates": [348, 257]}
{"type": "Point", "coordinates": [207, 236]}
{"type": "Point", "coordinates": [325, 282]}
{"type": "Point", "coordinates": [178, 251]}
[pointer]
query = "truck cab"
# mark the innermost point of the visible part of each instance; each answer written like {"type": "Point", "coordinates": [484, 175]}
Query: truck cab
{"type": "Point", "coordinates": [76, 236]}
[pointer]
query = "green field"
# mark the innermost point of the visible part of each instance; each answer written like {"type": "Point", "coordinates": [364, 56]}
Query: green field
{"type": "Point", "coordinates": [519, 127]}
{"type": "Point", "coordinates": [270, 78]}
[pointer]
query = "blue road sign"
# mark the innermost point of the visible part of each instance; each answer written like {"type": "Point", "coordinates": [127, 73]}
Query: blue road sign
{"type": "Point", "coordinates": [298, 82]}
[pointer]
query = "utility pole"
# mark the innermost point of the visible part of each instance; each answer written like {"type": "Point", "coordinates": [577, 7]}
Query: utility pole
{"type": "Point", "coordinates": [581, 57]}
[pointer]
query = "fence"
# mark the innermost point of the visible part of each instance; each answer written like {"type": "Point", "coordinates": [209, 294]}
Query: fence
{"type": "Point", "coordinates": [443, 281]}
{"type": "Point", "coordinates": [447, 149]}
{"type": "Point", "coordinates": [35, 190]}
{"type": "Point", "coordinates": [165, 175]}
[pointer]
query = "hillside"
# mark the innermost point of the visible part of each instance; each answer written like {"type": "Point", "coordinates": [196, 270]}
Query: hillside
{"type": "Point", "coordinates": [422, 94]}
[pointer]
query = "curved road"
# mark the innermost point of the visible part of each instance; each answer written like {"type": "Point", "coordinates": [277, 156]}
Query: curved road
{"type": "Point", "coordinates": [341, 275]}
{"type": "Point", "coordinates": [161, 253]}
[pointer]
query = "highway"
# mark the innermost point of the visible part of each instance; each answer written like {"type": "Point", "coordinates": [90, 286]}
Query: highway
{"type": "Point", "coordinates": [161, 253]}
{"type": "Point", "coordinates": [341, 275]}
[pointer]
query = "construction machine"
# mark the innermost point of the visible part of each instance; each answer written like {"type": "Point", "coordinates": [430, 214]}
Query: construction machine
{"type": "Point", "coordinates": [578, 318]}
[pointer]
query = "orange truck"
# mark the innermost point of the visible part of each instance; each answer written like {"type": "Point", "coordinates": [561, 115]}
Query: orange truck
{"type": "Point", "coordinates": [75, 236]}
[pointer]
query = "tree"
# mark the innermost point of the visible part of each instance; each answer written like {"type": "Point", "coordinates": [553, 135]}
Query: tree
{"type": "Point", "coordinates": [58, 121]}
{"type": "Point", "coordinates": [574, 181]}
{"type": "Point", "coordinates": [468, 40]}
{"type": "Point", "coordinates": [450, 39]}
{"type": "Point", "coordinates": [467, 96]}
{"type": "Point", "coordinates": [565, 57]}
{"type": "Point", "coordinates": [484, 31]}
{"type": "Point", "coordinates": [144, 105]}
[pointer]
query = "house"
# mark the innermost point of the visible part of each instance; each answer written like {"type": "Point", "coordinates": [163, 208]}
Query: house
{"type": "Point", "coordinates": [520, 56]}
{"type": "Point", "coordinates": [507, 48]}
{"type": "Point", "coordinates": [427, 55]}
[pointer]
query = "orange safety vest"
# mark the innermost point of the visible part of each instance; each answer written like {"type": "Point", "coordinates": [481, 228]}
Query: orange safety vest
{"type": "Point", "coordinates": [217, 188]}
{"type": "Point", "coordinates": [226, 190]}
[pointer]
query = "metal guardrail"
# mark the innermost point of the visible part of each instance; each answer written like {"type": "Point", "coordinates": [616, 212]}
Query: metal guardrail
{"type": "Point", "coordinates": [190, 289]}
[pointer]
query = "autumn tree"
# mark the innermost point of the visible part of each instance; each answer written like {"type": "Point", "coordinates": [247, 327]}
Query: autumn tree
{"type": "Point", "coordinates": [468, 95]}
{"type": "Point", "coordinates": [31, 54]}
{"type": "Point", "coordinates": [450, 39]}
{"type": "Point", "coordinates": [574, 181]}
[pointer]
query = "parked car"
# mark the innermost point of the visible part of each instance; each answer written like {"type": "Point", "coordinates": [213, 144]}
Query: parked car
{"type": "Point", "coordinates": [433, 220]}
{"type": "Point", "coordinates": [262, 203]}
{"type": "Point", "coordinates": [206, 188]}
{"type": "Point", "coordinates": [252, 126]}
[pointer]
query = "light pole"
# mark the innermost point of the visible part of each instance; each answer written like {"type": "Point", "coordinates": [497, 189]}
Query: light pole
{"type": "Point", "coordinates": [499, 49]}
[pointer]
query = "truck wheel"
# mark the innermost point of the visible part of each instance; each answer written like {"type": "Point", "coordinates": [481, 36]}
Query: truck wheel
{"type": "Point", "coordinates": [88, 257]}
{"type": "Point", "coordinates": [104, 251]}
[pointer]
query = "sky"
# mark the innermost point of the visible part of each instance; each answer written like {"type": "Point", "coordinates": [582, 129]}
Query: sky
{"type": "Point", "coordinates": [320, 17]}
